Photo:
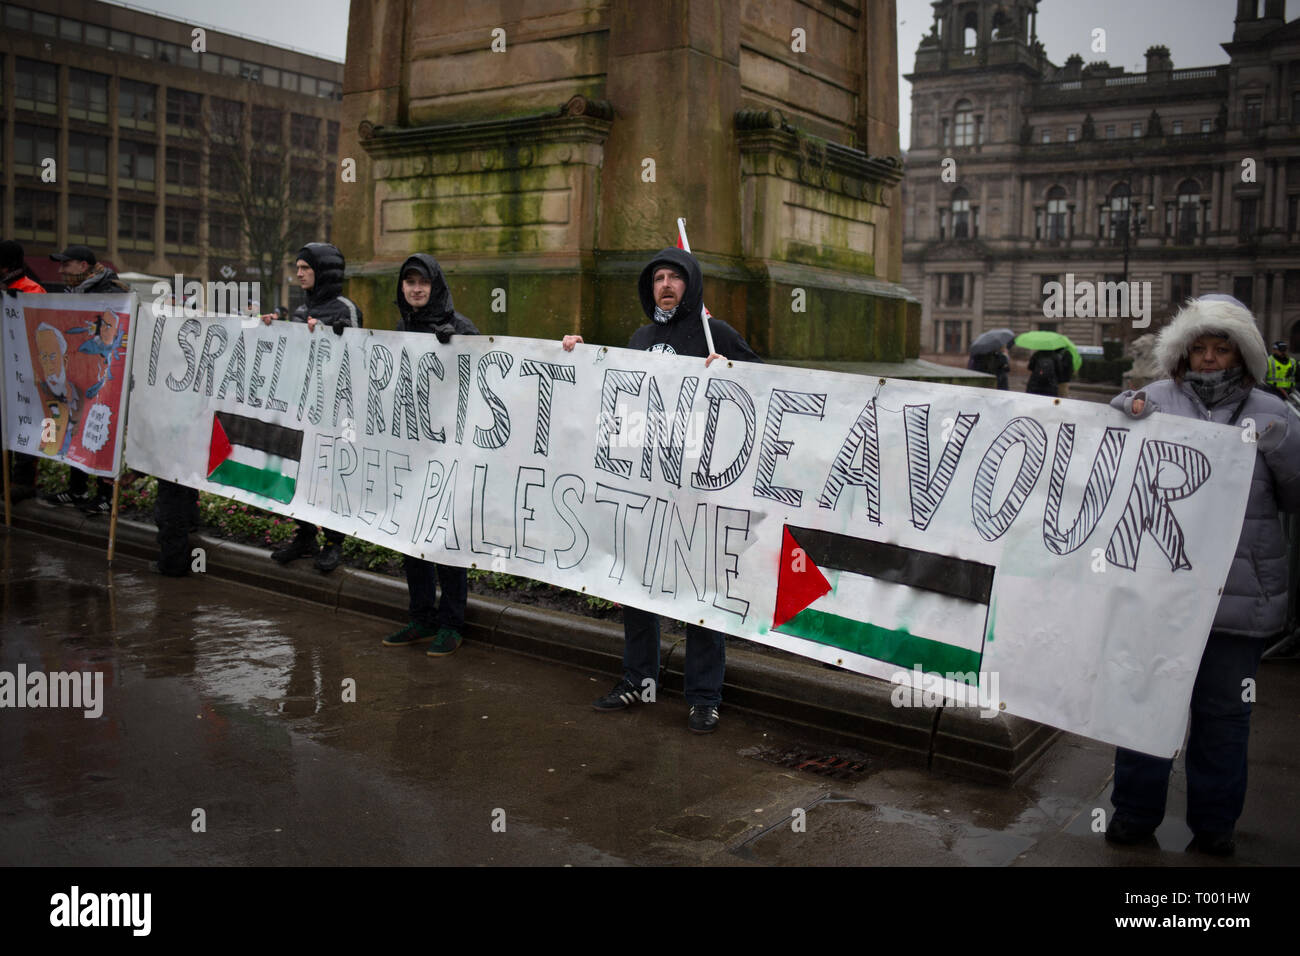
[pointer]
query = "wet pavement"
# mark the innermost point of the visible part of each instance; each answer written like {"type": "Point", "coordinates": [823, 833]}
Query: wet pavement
{"type": "Point", "coordinates": [226, 705]}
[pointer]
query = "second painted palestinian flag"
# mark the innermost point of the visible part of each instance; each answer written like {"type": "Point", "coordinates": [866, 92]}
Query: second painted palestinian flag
{"type": "Point", "coordinates": [255, 456]}
{"type": "Point", "coordinates": [895, 604]}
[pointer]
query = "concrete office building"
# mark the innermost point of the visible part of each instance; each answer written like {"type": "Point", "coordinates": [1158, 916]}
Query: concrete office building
{"type": "Point", "coordinates": [108, 114]}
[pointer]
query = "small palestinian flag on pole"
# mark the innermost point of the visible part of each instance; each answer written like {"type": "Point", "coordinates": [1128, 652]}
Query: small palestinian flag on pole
{"type": "Point", "coordinates": [684, 244]}
{"type": "Point", "coordinates": [895, 604]}
{"type": "Point", "coordinates": [255, 456]}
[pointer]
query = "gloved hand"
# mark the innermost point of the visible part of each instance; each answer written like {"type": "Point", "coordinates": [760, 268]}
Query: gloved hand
{"type": "Point", "coordinates": [444, 332]}
{"type": "Point", "coordinates": [338, 327]}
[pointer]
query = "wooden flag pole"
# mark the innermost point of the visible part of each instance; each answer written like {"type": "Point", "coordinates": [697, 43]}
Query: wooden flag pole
{"type": "Point", "coordinates": [686, 247]}
{"type": "Point", "coordinates": [5, 455]}
{"type": "Point", "coordinates": [112, 520]}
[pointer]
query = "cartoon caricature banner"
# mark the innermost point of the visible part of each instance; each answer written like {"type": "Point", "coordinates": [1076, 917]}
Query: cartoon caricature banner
{"type": "Point", "coordinates": [1050, 559]}
{"type": "Point", "coordinates": [67, 359]}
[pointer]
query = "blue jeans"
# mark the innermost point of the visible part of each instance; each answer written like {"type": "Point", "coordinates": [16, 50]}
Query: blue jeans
{"type": "Point", "coordinates": [706, 657]}
{"type": "Point", "coordinates": [422, 580]}
{"type": "Point", "coordinates": [1216, 746]}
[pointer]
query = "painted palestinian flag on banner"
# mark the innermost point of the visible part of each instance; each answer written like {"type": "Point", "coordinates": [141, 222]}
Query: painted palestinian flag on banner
{"type": "Point", "coordinates": [255, 456]}
{"type": "Point", "coordinates": [899, 605]}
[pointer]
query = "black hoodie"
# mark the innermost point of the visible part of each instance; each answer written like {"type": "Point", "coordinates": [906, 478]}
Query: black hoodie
{"type": "Point", "coordinates": [325, 300]}
{"type": "Point", "coordinates": [683, 334]}
{"type": "Point", "coordinates": [438, 316]}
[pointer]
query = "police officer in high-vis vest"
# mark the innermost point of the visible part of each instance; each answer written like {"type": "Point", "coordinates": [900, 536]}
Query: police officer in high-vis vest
{"type": "Point", "coordinates": [1281, 369]}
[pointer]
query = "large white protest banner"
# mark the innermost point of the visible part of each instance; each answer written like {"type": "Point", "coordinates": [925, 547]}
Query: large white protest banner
{"type": "Point", "coordinates": [1058, 552]}
{"type": "Point", "coordinates": [66, 359]}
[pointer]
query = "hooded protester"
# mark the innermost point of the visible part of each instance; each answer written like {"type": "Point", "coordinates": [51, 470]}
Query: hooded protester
{"type": "Point", "coordinates": [320, 273]}
{"type": "Point", "coordinates": [675, 322]}
{"type": "Point", "coordinates": [424, 302]}
{"type": "Point", "coordinates": [322, 281]}
{"type": "Point", "coordinates": [436, 314]}
{"type": "Point", "coordinates": [671, 289]}
{"type": "Point", "coordinates": [85, 275]}
{"type": "Point", "coordinates": [1213, 356]}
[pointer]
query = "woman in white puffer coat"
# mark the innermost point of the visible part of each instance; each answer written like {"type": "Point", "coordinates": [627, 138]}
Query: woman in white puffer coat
{"type": "Point", "coordinates": [1214, 355]}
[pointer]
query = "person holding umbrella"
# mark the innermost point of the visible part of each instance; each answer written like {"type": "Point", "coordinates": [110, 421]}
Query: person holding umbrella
{"type": "Point", "coordinates": [988, 354]}
{"type": "Point", "coordinates": [1213, 358]}
{"type": "Point", "coordinates": [1054, 361]}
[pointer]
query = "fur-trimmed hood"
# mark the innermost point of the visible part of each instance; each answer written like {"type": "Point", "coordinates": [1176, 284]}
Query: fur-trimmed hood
{"type": "Point", "coordinates": [1217, 314]}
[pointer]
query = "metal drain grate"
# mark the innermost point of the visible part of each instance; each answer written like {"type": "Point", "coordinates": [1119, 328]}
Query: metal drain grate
{"type": "Point", "coordinates": [835, 766]}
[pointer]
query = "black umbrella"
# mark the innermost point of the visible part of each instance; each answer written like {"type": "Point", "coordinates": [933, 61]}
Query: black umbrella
{"type": "Point", "coordinates": [991, 341]}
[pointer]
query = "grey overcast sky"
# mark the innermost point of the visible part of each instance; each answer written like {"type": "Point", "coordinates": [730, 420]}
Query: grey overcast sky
{"type": "Point", "coordinates": [1192, 29]}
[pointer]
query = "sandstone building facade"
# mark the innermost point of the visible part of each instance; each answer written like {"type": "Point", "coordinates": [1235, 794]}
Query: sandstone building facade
{"type": "Point", "coordinates": [1188, 178]}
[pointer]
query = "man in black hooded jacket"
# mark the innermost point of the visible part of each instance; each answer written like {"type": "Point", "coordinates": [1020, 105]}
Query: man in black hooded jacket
{"type": "Point", "coordinates": [320, 273]}
{"type": "Point", "coordinates": [671, 288]}
{"type": "Point", "coordinates": [424, 302]}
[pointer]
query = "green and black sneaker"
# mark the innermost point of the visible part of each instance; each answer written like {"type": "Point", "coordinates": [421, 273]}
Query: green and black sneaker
{"type": "Point", "coordinates": [446, 642]}
{"type": "Point", "coordinates": [411, 634]}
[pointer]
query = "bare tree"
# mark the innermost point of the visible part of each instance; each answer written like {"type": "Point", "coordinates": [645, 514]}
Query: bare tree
{"type": "Point", "coordinates": [248, 168]}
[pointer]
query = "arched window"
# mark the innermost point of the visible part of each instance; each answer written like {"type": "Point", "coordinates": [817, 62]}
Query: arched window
{"type": "Point", "coordinates": [961, 221]}
{"type": "Point", "coordinates": [1113, 222]}
{"type": "Point", "coordinates": [1189, 210]}
{"type": "Point", "coordinates": [1057, 213]}
{"type": "Point", "coordinates": [970, 31]}
{"type": "Point", "coordinates": [964, 124]}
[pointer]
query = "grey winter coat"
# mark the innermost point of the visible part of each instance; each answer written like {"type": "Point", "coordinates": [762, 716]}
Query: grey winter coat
{"type": "Point", "coordinates": [1254, 601]}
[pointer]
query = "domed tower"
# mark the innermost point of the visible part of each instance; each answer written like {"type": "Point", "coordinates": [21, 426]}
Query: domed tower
{"type": "Point", "coordinates": [980, 33]}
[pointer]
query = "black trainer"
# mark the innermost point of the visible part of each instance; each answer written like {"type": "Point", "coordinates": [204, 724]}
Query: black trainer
{"type": "Point", "coordinates": [303, 545]}
{"type": "Point", "coordinates": [97, 507]}
{"type": "Point", "coordinates": [1214, 844]}
{"type": "Point", "coordinates": [329, 558]}
{"type": "Point", "coordinates": [64, 498]}
{"type": "Point", "coordinates": [624, 695]}
{"type": "Point", "coordinates": [703, 719]}
{"type": "Point", "coordinates": [1124, 832]}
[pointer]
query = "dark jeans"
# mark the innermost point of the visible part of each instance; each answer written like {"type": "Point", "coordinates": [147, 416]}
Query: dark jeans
{"type": "Point", "coordinates": [331, 537]}
{"type": "Point", "coordinates": [422, 579]}
{"type": "Point", "coordinates": [23, 469]}
{"type": "Point", "coordinates": [78, 482]}
{"type": "Point", "coordinates": [706, 657]}
{"type": "Point", "coordinates": [1216, 746]}
{"type": "Point", "coordinates": [173, 512]}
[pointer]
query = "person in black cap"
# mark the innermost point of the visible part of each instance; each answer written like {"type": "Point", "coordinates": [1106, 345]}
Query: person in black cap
{"type": "Point", "coordinates": [320, 268]}
{"type": "Point", "coordinates": [671, 288]}
{"type": "Point", "coordinates": [83, 273]}
{"type": "Point", "coordinates": [424, 302]}
{"type": "Point", "coordinates": [16, 277]}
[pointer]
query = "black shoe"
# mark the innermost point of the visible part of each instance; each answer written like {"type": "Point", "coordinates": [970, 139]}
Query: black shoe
{"type": "Point", "coordinates": [1214, 844]}
{"type": "Point", "coordinates": [1124, 832]}
{"type": "Point", "coordinates": [157, 568]}
{"type": "Point", "coordinates": [64, 498]}
{"type": "Point", "coordinates": [413, 633]}
{"type": "Point", "coordinates": [330, 558]}
{"type": "Point", "coordinates": [703, 719]}
{"type": "Point", "coordinates": [19, 493]}
{"type": "Point", "coordinates": [623, 695]}
{"type": "Point", "coordinates": [301, 546]}
{"type": "Point", "coordinates": [97, 507]}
